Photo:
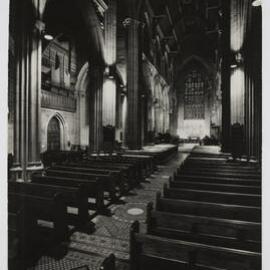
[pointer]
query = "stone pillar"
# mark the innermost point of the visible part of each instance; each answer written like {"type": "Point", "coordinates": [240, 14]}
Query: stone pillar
{"type": "Point", "coordinates": [28, 89]}
{"type": "Point", "coordinates": [34, 106]}
{"type": "Point", "coordinates": [110, 33]}
{"type": "Point", "coordinates": [95, 106]}
{"type": "Point", "coordinates": [109, 86]}
{"type": "Point", "coordinates": [226, 77]}
{"type": "Point", "coordinates": [133, 139]}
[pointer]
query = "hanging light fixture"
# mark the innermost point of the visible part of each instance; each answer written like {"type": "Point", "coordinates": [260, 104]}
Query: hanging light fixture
{"type": "Point", "coordinates": [48, 36]}
{"type": "Point", "coordinates": [256, 3]}
{"type": "Point", "coordinates": [110, 72]}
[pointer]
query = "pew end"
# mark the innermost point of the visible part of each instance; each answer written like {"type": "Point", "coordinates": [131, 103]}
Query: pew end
{"type": "Point", "coordinates": [149, 209]}
{"type": "Point", "coordinates": [109, 263]}
{"type": "Point", "coordinates": [158, 197]}
{"type": "Point", "coordinates": [135, 228]}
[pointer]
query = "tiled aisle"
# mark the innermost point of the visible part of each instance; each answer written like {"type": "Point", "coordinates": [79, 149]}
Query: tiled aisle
{"type": "Point", "coordinates": [112, 233]}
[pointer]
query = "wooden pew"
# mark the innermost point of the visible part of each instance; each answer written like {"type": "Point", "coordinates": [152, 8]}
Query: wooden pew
{"type": "Point", "coordinates": [94, 189]}
{"type": "Point", "coordinates": [225, 166]}
{"type": "Point", "coordinates": [117, 174]}
{"type": "Point", "coordinates": [127, 173]}
{"type": "Point", "coordinates": [217, 180]}
{"type": "Point", "coordinates": [50, 209]}
{"type": "Point", "coordinates": [134, 172]}
{"type": "Point", "coordinates": [212, 196]}
{"type": "Point", "coordinates": [220, 174]}
{"type": "Point", "coordinates": [147, 161]}
{"type": "Point", "coordinates": [215, 210]}
{"type": "Point", "coordinates": [223, 163]}
{"type": "Point", "coordinates": [108, 180]}
{"type": "Point", "coordinates": [213, 231]}
{"type": "Point", "coordinates": [144, 163]}
{"type": "Point", "coordinates": [50, 157]}
{"type": "Point", "coordinates": [210, 155]}
{"type": "Point", "coordinates": [73, 197]}
{"type": "Point", "coordinates": [118, 159]}
{"type": "Point", "coordinates": [35, 238]}
{"type": "Point", "coordinates": [227, 170]}
{"type": "Point", "coordinates": [228, 187]}
{"type": "Point", "coordinates": [20, 240]}
{"type": "Point", "coordinates": [159, 253]}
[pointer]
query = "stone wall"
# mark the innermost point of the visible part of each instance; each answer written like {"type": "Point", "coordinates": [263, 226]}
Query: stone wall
{"type": "Point", "coordinates": [69, 126]}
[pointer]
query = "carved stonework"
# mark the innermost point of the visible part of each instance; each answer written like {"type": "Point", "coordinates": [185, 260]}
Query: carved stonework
{"type": "Point", "coordinates": [130, 21]}
{"type": "Point", "coordinates": [58, 102]}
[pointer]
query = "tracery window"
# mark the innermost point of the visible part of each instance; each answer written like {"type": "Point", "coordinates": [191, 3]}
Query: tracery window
{"type": "Point", "coordinates": [194, 96]}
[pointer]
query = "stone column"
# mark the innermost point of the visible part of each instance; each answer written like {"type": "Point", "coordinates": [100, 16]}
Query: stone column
{"type": "Point", "coordinates": [226, 77]}
{"type": "Point", "coordinates": [95, 107]}
{"type": "Point", "coordinates": [34, 106]}
{"type": "Point", "coordinates": [109, 86]}
{"type": "Point", "coordinates": [133, 139]}
{"type": "Point", "coordinates": [28, 89]}
{"type": "Point", "coordinates": [110, 32]}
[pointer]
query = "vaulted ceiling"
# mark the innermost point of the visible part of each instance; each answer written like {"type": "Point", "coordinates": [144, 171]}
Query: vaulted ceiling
{"type": "Point", "coordinates": [187, 26]}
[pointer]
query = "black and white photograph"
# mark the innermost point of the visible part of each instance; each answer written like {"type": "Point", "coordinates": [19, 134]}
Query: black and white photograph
{"type": "Point", "coordinates": [134, 135]}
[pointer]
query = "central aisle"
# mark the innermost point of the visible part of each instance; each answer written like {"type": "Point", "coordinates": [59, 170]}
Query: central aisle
{"type": "Point", "coordinates": [112, 233]}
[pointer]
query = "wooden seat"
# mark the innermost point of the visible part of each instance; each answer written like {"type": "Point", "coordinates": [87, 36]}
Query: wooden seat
{"type": "Point", "coordinates": [154, 252]}
{"type": "Point", "coordinates": [226, 170]}
{"type": "Point", "coordinates": [40, 226]}
{"type": "Point", "coordinates": [228, 187]}
{"type": "Point", "coordinates": [208, 219]}
{"type": "Point", "coordinates": [224, 166]}
{"type": "Point", "coordinates": [73, 197]}
{"type": "Point", "coordinates": [109, 181]}
{"type": "Point", "coordinates": [50, 209]}
{"type": "Point", "coordinates": [121, 176]}
{"type": "Point", "coordinates": [20, 240]}
{"type": "Point", "coordinates": [213, 196]}
{"type": "Point", "coordinates": [94, 188]}
{"type": "Point", "coordinates": [133, 169]}
{"type": "Point", "coordinates": [217, 179]}
{"type": "Point", "coordinates": [219, 174]}
{"type": "Point", "coordinates": [217, 210]}
{"type": "Point", "coordinates": [129, 172]}
{"type": "Point", "coordinates": [214, 231]}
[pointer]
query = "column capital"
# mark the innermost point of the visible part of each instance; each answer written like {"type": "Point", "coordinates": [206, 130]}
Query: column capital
{"type": "Point", "coordinates": [131, 21]}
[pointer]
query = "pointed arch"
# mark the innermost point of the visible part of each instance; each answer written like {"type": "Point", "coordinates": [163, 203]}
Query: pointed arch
{"type": "Point", "coordinates": [63, 130]}
{"type": "Point", "coordinates": [195, 58]}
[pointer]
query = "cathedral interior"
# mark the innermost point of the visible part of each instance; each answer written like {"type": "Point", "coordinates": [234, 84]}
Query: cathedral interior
{"type": "Point", "coordinates": [134, 134]}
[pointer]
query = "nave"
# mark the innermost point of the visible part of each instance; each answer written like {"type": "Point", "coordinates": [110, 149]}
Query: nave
{"type": "Point", "coordinates": [134, 134]}
{"type": "Point", "coordinates": [200, 210]}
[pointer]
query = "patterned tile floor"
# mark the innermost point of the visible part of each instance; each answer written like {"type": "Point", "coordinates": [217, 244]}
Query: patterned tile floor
{"type": "Point", "coordinates": [112, 233]}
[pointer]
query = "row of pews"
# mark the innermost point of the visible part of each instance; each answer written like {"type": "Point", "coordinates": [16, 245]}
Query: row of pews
{"type": "Point", "coordinates": [209, 218]}
{"type": "Point", "coordinates": [161, 153]}
{"type": "Point", "coordinates": [65, 197]}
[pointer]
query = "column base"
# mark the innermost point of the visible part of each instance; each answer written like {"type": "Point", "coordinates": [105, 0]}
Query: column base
{"type": "Point", "coordinates": [19, 175]}
{"type": "Point", "coordinates": [33, 168]}
{"type": "Point", "coordinates": [16, 173]}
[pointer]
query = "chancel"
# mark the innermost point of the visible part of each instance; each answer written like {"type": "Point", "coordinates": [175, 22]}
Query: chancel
{"type": "Point", "coordinates": [134, 134]}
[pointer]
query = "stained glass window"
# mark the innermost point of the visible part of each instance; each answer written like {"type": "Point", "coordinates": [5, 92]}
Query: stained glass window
{"type": "Point", "coordinates": [194, 96]}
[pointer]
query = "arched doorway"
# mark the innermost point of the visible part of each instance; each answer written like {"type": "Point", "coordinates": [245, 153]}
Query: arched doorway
{"type": "Point", "coordinates": [53, 135]}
